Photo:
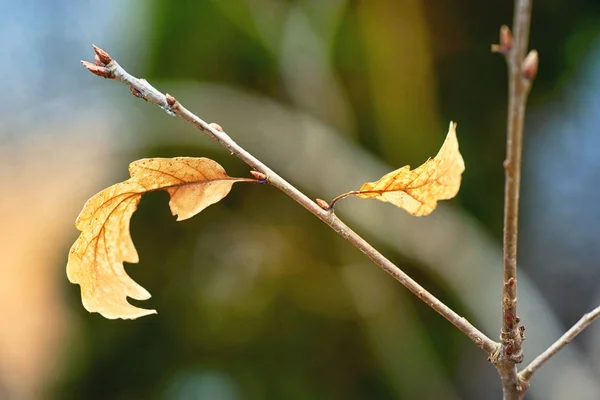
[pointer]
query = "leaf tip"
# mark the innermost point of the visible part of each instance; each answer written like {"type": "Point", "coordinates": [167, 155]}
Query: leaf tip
{"type": "Point", "coordinates": [452, 126]}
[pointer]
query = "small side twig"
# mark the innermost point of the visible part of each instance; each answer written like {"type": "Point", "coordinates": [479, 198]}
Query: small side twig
{"type": "Point", "coordinates": [106, 67]}
{"type": "Point", "coordinates": [584, 322]}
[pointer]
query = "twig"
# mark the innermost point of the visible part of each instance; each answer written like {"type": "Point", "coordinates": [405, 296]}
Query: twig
{"type": "Point", "coordinates": [521, 71]}
{"type": "Point", "coordinates": [106, 67]}
{"type": "Point", "coordinates": [584, 322]}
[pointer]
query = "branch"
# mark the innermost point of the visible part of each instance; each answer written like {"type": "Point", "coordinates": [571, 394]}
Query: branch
{"type": "Point", "coordinates": [106, 67]}
{"type": "Point", "coordinates": [584, 322]}
{"type": "Point", "coordinates": [521, 72]}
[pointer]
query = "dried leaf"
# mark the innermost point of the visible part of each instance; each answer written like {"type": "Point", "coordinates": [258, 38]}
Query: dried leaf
{"type": "Point", "coordinates": [418, 191]}
{"type": "Point", "coordinates": [96, 258]}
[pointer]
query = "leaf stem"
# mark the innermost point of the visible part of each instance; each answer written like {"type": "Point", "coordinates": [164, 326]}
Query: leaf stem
{"type": "Point", "coordinates": [106, 67]}
{"type": "Point", "coordinates": [342, 196]}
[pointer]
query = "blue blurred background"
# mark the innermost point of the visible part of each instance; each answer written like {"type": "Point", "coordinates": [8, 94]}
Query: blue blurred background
{"type": "Point", "coordinates": [256, 298]}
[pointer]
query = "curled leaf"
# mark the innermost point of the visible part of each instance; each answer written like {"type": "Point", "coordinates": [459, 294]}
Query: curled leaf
{"type": "Point", "coordinates": [418, 191]}
{"type": "Point", "coordinates": [96, 258]}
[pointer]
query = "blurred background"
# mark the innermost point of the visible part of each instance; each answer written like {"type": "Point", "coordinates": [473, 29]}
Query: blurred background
{"type": "Point", "coordinates": [256, 298]}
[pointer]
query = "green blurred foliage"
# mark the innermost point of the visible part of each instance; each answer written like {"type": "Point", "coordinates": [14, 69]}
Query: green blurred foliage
{"type": "Point", "coordinates": [251, 296]}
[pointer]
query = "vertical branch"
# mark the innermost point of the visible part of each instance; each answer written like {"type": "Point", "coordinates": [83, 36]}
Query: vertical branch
{"type": "Point", "coordinates": [519, 87]}
{"type": "Point", "coordinates": [521, 72]}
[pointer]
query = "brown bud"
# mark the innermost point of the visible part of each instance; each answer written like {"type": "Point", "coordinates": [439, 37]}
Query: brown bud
{"type": "Point", "coordinates": [530, 65]}
{"type": "Point", "coordinates": [506, 38]}
{"type": "Point", "coordinates": [509, 349]}
{"type": "Point", "coordinates": [216, 126]}
{"type": "Point", "coordinates": [506, 41]}
{"type": "Point", "coordinates": [135, 92]}
{"type": "Point", "coordinates": [323, 204]}
{"type": "Point", "coordinates": [259, 175]}
{"type": "Point", "coordinates": [97, 70]}
{"type": "Point", "coordinates": [102, 55]}
{"type": "Point", "coordinates": [97, 61]}
{"type": "Point", "coordinates": [170, 100]}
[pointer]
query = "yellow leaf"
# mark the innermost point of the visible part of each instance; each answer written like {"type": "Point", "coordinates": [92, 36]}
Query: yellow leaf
{"type": "Point", "coordinates": [418, 191]}
{"type": "Point", "coordinates": [96, 258]}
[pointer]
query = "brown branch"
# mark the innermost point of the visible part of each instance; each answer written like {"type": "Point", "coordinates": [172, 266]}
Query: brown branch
{"type": "Point", "coordinates": [106, 67]}
{"type": "Point", "coordinates": [521, 71]}
{"type": "Point", "coordinates": [584, 322]}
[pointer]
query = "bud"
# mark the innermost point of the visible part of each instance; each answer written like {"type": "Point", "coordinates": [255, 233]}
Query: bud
{"type": "Point", "coordinates": [102, 55]}
{"type": "Point", "coordinates": [530, 65]}
{"type": "Point", "coordinates": [170, 100]}
{"type": "Point", "coordinates": [323, 204]}
{"type": "Point", "coordinates": [506, 41]}
{"type": "Point", "coordinates": [216, 126]}
{"type": "Point", "coordinates": [136, 92]}
{"type": "Point", "coordinates": [98, 70]}
{"type": "Point", "coordinates": [259, 175]}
